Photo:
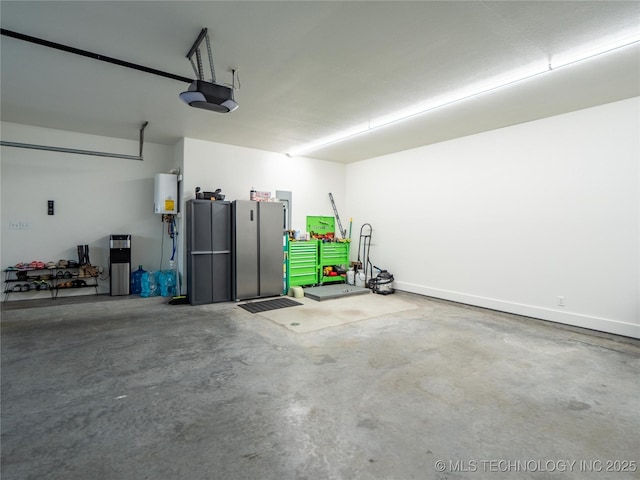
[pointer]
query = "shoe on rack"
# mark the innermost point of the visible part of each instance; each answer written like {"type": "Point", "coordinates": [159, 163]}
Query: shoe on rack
{"type": "Point", "coordinates": [90, 270]}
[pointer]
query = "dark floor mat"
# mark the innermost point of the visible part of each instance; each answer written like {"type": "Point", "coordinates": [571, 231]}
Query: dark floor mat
{"type": "Point", "coordinates": [257, 307]}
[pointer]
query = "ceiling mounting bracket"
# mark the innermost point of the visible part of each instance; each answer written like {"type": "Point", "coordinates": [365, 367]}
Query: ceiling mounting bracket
{"type": "Point", "coordinates": [195, 48]}
{"type": "Point", "coordinates": [144, 125]}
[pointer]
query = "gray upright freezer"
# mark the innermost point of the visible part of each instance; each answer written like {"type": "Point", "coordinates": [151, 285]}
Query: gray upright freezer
{"type": "Point", "coordinates": [209, 262]}
{"type": "Point", "coordinates": [258, 254]}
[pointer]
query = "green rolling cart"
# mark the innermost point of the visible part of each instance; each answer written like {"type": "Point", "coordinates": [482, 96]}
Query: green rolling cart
{"type": "Point", "coordinates": [331, 254]}
{"type": "Point", "coordinates": [302, 263]}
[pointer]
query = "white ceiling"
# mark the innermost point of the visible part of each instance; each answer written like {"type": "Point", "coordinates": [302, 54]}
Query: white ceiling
{"type": "Point", "coordinates": [309, 69]}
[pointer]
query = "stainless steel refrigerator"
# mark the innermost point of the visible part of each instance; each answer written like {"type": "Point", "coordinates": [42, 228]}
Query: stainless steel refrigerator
{"type": "Point", "coordinates": [258, 255]}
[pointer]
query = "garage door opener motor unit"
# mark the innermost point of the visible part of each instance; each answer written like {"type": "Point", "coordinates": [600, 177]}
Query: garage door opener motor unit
{"type": "Point", "coordinates": [208, 95]}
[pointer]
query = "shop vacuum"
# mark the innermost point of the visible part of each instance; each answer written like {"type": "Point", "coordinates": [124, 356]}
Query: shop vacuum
{"type": "Point", "coordinates": [383, 283]}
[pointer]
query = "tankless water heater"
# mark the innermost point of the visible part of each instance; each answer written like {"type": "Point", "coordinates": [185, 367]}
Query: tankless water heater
{"type": "Point", "coordinates": [166, 194]}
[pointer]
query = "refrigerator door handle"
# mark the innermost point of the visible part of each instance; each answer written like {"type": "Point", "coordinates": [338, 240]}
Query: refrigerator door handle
{"type": "Point", "coordinates": [252, 215]}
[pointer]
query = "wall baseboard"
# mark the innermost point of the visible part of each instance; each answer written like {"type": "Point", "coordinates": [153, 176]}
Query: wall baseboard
{"type": "Point", "coordinates": [567, 318]}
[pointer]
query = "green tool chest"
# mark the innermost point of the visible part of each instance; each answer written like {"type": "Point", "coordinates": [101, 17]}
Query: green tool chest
{"type": "Point", "coordinates": [321, 225]}
{"type": "Point", "coordinates": [332, 253]}
{"type": "Point", "coordinates": [306, 260]}
{"type": "Point", "coordinates": [302, 263]}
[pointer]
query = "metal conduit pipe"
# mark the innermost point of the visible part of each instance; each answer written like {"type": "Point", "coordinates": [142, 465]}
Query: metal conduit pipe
{"type": "Point", "coordinates": [69, 150]}
{"type": "Point", "coordinates": [80, 152]}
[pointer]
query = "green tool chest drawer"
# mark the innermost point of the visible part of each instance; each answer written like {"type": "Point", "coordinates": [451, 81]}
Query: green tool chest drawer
{"type": "Point", "coordinates": [333, 253]}
{"type": "Point", "coordinates": [302, 263]}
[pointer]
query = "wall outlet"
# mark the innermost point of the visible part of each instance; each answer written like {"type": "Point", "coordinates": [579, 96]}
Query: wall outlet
{"type": "Point", "coordinates": [21, 225]}
{"type": "Point", "coordinates": [561, 301]}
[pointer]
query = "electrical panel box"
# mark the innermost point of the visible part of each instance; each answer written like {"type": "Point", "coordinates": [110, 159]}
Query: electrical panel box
{"type": "Point", "coordinates": [166, 194]}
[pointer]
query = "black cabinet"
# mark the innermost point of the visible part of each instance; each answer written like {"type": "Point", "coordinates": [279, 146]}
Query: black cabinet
{"type": "Point", "coordinates": [209, 277]}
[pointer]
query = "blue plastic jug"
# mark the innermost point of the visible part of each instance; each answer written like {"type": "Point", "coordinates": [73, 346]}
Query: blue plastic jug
{"type": "Point", "coordinates": [149, 284]}
{"type": "Point", "coordinates": [136, 280]}
{"type": "Point", "coordinates": [167, 283]}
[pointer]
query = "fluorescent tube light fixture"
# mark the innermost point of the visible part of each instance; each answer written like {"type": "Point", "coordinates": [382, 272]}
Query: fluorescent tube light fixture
{"type": "Point", "coordinates": [589, 51]}
{"type": "Point", "coordinates": [462, 94]}
{"type": "Point", "coordinates": [511, 78]}
{"type": "Point", "coordinates": [336, 137]}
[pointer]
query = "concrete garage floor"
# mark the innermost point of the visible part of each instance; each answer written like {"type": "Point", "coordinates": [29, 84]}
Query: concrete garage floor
{"type": "Point", "coordinates": [138, 389]}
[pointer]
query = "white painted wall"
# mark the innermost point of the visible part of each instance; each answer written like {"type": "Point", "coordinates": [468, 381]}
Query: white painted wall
{"type": "Point", "coordinates": [236, 170]}
{"type": "Point", "coordinates": [514, 218]}
{"type": "Point", "coordinates": [509, 219]}
{"type": "Point", "coordinates": [94, 198]}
